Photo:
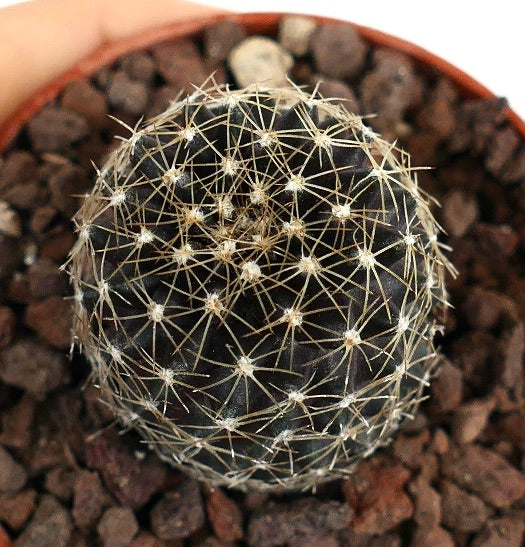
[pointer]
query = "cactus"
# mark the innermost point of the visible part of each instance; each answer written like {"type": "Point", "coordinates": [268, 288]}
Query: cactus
{"type": "Point", "coordinates": [256, 280]}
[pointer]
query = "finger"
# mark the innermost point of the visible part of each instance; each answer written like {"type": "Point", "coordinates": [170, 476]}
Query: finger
{"type": "Point", "coordinates": [43, 38]}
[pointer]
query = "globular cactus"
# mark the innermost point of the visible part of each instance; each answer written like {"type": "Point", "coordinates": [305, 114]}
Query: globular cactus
{"type": "Point", "coordinates": [256, 281]}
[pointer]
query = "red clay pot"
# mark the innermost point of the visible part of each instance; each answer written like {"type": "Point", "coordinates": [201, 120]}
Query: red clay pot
{"type": "Point", "coordinates": [255, 23]}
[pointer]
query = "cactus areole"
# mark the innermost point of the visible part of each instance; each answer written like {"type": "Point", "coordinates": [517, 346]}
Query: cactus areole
{"type": "Point", "coordinates": [256, 279]}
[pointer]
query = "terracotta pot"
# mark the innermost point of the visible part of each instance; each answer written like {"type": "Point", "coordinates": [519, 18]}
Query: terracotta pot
{"type": "Point", "coordinates": [255, 23]}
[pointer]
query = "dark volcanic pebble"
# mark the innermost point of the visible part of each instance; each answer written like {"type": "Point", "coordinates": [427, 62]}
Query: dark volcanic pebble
{"type": "Point", "coordinates": [83, 98]}
{"type": "Point", "coordinates": [89, 499]}
{"type": "Point", "coordinates": [53, 129]}
{"type": "Point", "coordinates": [221, 38]}
{"type": "Point", "coordinates": [51, 318]}
{"type": "Point", "coordinates": [128, 95]}
{"type": "Point", "coordinates": [179, 512]}
{"type": "Point", "coordinates": [277, 524]}
{"type": "Point", "coordinates": [338, 50]}
{"type": "Point", "coordinates": [224, 514]}
{"type": "Point", "coordinates": [131, 478]}
{"type": "Point", "coordinates": [117, 527]}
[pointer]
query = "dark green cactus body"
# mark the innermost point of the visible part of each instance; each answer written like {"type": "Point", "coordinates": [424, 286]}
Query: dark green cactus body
{"type": "Point", "coordinates": [256, 279]}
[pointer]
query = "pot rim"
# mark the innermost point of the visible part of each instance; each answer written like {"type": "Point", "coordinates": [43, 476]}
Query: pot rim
{"type": "Point", "coordinates": [260, 23]}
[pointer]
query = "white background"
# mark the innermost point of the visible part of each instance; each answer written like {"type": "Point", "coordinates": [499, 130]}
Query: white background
{"type": "Point", "coordinates": [485, 39]}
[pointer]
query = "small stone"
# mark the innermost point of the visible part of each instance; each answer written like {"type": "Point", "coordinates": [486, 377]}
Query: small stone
{"type": "Point", "coordinates": [409, 448]}
{"type": "Point", "coordinates": [297, 523]}
{"type": "Point", "coordinates": [447, 388]}
{"type": "Point", "coordinates": [440, 442]}
{"type": "Point", "coordinates": [181, 65]}
{"type": "Point", "coordinates": [460, 211]}
{"type": "Point", "coordinates": [15, 509]}
{"type": "Point", "coordinates": [17, 423]}
{"type": "Point", "coordinates": [427, 503]}
{"type": "Point", "coordinates": [59, 482]}
{"type": "Point", "coordinates": [484, 309]}
{"type": "Point", "coordinates": [128, 95]}
{"type": "Point", "coordinates": [12, 475]}
{"type": "Point", "coordinates": [139, 65]}
{"type": "Point", "coordinates": [10, 224]}
{"type": "Point", "coordinates": [339, 91]}
{"type": "Point", "coordinates": [145, 539]}
{"type": "Point", "coordinates": [504, 143]}
{"type": "Point", "coordinates": [50, 526]}
{"type": "Point", "coordinates": [220, 38]}
{"type": "Point", "coordinates": [130, 479]}
{"type": "Point", "coordinates": [461, 510]}
{"type": "Point", "coordinates": [485, 473]}
{"type": "Point", "coordinates": [338, 50]}
{"type": "Point", "coordinates": [89, 499]}
{"type": "Point", "coordinates": [295, 33]}
{"type": "Point", "coordinates": [31, 366]}
{"type": "Point", "coordinates": [496, 240]}
{"type": "Point", "coordinates": [117, 527]}
{"type": "Point", "coordinates": [259, 59]}
{"type": "Point", "coordinates": [436, 537]}
{"type": "Point", "coordinates": [83, 98]}
{"type": "Point", "coordinates": [375, 492]}
{"type": "Point", "coordinates": [7, 326]}
{"type": "Point", "coordinates": [470, 419]}
{"type": "Point", "coordinates": [224, 514]}
{"type": "Point", "coordinates": [42, 218]}
{"type": "Point", "coordinates": [44, 279]}
{"type": "Point", "coordinates": [53, 129]}
{"type": "Point", "coordinates": [179, 513]}
{"type": "Point", "coordinates": [10, 255]}
{"type": "Point", "coordinates": [512, 349]}
{"type": "Point", "coordinates": [65, 185]}
{"type": "Point", "coordinates": [51, 318]}
{"type": "Point", "coordinates": [17, 167]}
{"type": "Point", "coordinates": [501, 532]}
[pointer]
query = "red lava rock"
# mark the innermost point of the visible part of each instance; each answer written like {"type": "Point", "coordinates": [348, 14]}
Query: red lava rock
{"type": "Point", "coordinates": [461, 510]}
{"type": "Point", "coordinates": [98, 411]}
{"type": "Point", "coordinates": [4, 538]}
{"type": "Point", "coordinates": [409, 448]}
{"type": "Point", "coordinates": [435, 537]}
{"type": "Point", "coordinates": [512, 348]}
{"type": "Point", "coordinates": [447, 388]}
{"type": "Point", "coordinates": [375, 492]}
{"type": "Point", "coordinates": [128, 95]}
{"type": "Point", "coordinates": [511, 427]}
{"type": "Point", "coordinates": [65, 185]}
{"type": "Point", "coordinates": [224, 514]}
{"type": "Point", "coordinates": [59, 482]}
{"type": "Point", "coordinates": [44, 279]}
{"type": "Point", "coordinates": [15, 509]}
{"type": "Point", "coordinates": [42, 218]}
{"type": "Point", "coordinates": [179, 513]}
{"type": "Point", "coordinates": [470, 419]}
{"type": "Point", "coordinates": [13, 476]}
{"type": "Point", "coordinates": [221, 38]}
{"type": "Point", "coordinates": [57, 247]}
{"type": "Point", "coordinates": [472, 353]}
{"type": "Point", "coordinates": [460, 211]}
{"type": "Point", "coordinates": [427, 503]}
{"type": "Point", "coordinates": [31, 366]}
{"type": "Point", "coordinates": [18, 166]}
{"type": "Point", "coordinates": [83, 98]}
{"type": "Point", "coordinates": [295, 523]}
{"type": "Point", "coordinates": [501, 532]}
{"type": "Point", "coordinates": [89, 499]}
{"type": "Point", "coordinates": [161, 99]}
{"type": "Point", "coordinates": [440, 442]}
{"type": "Point", "coordinates": [53, 129]}
{"type": "Point", "coordinates": [496, 240]}
{"type": "Point", "coordinates": [145, 539]}
{"type": "Point", "coordinates": [50, 526]}
{"type": "Point", "coordinates": [504, 143]}
{"type": "Point", "coordinates": [437, 116]}
{"type": "Point", "coordinates": [484, 309]}
{"type": "Point", "coordinates": [139, 65]}
{"type": "Point", "coordinates": [390, 89]}
{"type": "Point", "coordinates": [181, 64]}
{"type": "Point", "coordinates": [51, 318]}
{"type": "Point", "coordinates": [341, 92]}
{"type": "Point", "coordinates": [485, 473]}
{"type": "Point", "coordinates": [17, 422]}
{"type": "Point", "coordinates": [117, 527]}
{"type": "Point", "coordinates": [7, 326]}
{"type": "Point", "coordinates": [130, 479]}
{"type": "Point", "coordinates": [338, 50]}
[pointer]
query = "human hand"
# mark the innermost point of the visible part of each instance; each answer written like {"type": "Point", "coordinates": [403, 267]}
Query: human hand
{"type": "Point", "coordinates": [43, 38]}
